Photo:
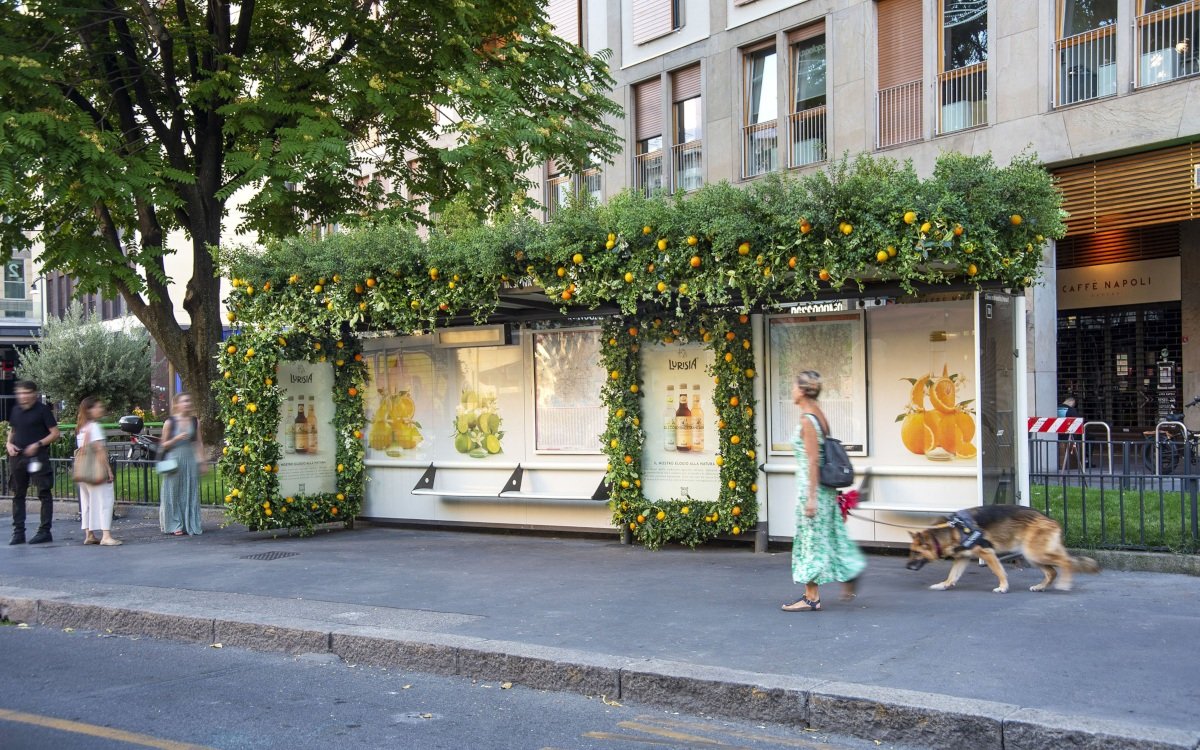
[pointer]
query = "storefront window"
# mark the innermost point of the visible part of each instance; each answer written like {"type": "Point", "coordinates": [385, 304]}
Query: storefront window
{"type": "Point", "coordinates": [568, 381]}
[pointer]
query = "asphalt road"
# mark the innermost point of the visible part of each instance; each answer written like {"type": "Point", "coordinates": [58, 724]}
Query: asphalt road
{"type": "Point", "coordinates": [73, 690]}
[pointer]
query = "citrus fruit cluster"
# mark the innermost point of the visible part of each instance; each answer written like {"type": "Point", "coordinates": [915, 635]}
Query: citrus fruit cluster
{"type": "Point", "coordinates": [935, 424]}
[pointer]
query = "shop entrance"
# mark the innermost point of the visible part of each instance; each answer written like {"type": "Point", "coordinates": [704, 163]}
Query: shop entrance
{"type": "Point", "coordinates": [1122, 364]}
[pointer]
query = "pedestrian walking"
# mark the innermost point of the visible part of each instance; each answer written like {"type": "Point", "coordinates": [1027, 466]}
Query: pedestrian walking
{"type": "Point", "coordinates": [95, 498]}
{"type": "Point", "coordinates": [822, 551]}
{"type": "Point", "coordinates": [31, 430]}
{"type": "Point", "coordinates": [179, 509]}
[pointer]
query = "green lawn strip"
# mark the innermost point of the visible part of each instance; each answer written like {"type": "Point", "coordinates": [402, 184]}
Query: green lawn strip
{"type": "Point", "coordinates": [138, 483]}
{"type": "Point", "coordinates": [1112, 517]}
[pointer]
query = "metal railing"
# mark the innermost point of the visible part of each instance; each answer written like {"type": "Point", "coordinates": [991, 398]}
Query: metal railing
{"type": "Point", "coordinates": [1118, 494]}
{"type": "Point", "coordinates": [760, 148]}
{"type": "Point", "coordinates": [962, 98]}
{"type": "Point", "coordinates": [898, 114]}
{"type": "Point", "coordinates": [1087, 66]}
{"type": "Point", "coordinates": [809, 143]}
{"type": "Point", "coordinates": [557, 190]}
{"type": "Point", "coordinates": [134, 481]}
{"type": "Point", "coordinates": [648, 169]}
{"type": "Point", "coordinates": [689, 165]}
{"type": "Point", "coordinates": [1165, 44]}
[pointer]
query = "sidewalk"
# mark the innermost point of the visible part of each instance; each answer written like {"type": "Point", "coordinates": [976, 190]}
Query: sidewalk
{"type": "Point", "coordinates": [1114, 663]}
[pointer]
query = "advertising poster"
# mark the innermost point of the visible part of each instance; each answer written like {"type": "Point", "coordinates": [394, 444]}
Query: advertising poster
{"type": "Point", "coordinates": [400, 394]}
{"type": "Point", "coordinates": [832, 345]}
{"type": "Point", "coordinates": [923, 382]}
{"type": "Point", "coordinates": [568, 379]}
{"type": "Point", "coordinates": [680, 423]}
{"type": "Point", "coordinates": [309, 462]}
{"type": "Point", "coordinates": [483, 410]}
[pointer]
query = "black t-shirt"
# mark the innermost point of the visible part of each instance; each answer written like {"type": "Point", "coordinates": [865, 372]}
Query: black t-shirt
{"type": "Point", "coordinates": [30, 425]}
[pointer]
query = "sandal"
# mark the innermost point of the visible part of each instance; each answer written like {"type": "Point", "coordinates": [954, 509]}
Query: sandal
{"type": "Point", "coordinates": [850, 589]}
{"type": "Point", "coordinates": [176, 533]}
{"type": "Point", "coordinates": [804, 604]}
{"type": "Point", "coordinates": [110, 542]}
{"type": "Point", "coordinates": [91, 540]}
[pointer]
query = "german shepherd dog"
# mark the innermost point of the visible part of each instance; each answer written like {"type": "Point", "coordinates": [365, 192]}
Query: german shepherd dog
{"type": "Point", "coordinates": [1005, 529]}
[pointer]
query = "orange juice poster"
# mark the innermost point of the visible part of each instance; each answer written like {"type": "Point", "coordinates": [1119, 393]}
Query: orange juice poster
{"type": "Point", "coordinates": [924, 384]}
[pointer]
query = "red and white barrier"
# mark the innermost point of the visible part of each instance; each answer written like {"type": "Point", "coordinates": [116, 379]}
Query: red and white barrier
{"type": "Point", "coordinates": [1060, 425]}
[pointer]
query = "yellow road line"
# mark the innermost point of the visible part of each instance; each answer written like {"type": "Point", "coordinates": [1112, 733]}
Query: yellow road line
{"type": "Point", "coordinates": [94, 730]}
{"type": "Point", "coordinates": [697, 726]}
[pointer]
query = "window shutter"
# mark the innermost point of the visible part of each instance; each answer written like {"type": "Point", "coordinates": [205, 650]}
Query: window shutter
{"type": "Point", "coordinates": [685, 84]}
{"type": "Point", "coordinates": [651, 19]}
{"type": "Point", "coordinates": [648, 105]}
{"type": "Point", "coordinates": [899, 23]}
{"type": "Point", "coordinates": [564, 17]}
{"type": "Point", "coordinates": [807, 32]}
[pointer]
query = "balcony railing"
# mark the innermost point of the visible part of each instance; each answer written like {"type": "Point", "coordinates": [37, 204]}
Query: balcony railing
{"type": "Point", "coordinates": [760, 149]}
{"type": "Point", "coordinates": [1087, 67]}
{"type": "Point", "coordinates": [898, 109]}
{"type": "Point", "coordinates": [689, 165]}
{"type": "Point", "coordinates": [649, 172]}
{"type": "Point", "coordinates": [1165, 44]}
{"type": "Point", "coordinates": [557, 190]}
{"type": "Point", "coordinates": [809, 144]}
{"type": "Point", "coordinates": [593, 184]}
{"type": "Point", "coordinates": [962, 98]}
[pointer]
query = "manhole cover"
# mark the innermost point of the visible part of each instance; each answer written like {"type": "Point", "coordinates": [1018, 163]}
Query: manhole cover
{"type": "Point", "coordinates": [270, 555]}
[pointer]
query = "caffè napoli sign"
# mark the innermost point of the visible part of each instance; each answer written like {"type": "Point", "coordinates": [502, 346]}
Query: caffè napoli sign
{"type": "Point", "coordinates": [1133, 283]}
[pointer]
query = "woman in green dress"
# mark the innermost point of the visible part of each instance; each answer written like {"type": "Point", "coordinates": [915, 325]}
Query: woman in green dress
{"type": "Point", "coordinates": [179, 510]}
{"type": "Point", "coordinates": [822, 551]}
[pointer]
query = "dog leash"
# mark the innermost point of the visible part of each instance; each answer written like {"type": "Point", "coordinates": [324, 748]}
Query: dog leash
{"type": "Point", "coordinates": [852, 514]}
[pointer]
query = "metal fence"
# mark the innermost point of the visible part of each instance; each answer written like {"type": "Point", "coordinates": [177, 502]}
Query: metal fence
{"type": "Point", "coordinates": [134, 481]}
{"type": "Point", "coordinates": [1118, 494]}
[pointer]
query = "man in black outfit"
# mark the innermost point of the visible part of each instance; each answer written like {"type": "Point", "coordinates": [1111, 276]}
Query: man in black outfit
{"type": "Point", "coordinates": [31, 430]}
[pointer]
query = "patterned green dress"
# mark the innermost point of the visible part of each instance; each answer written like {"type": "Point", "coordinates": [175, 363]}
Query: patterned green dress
{"type": "Point", "coordinates": [822, 551]}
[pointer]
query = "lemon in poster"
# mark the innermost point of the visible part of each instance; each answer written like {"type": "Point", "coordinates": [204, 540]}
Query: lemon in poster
{"type": "Point", "coordinates": [934, 423]}
{"type": "Point", "coordinates": [477, 424]}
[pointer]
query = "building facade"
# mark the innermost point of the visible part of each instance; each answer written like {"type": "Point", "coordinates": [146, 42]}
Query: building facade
{"type": "Point", "coordinates": [1106, 92]}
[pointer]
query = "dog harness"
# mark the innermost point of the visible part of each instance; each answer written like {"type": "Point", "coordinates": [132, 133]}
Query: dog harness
{"type": "Point", "coordinates": [972, 535]}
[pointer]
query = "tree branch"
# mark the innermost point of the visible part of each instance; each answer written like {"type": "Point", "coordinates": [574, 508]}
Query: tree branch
{"type": "Point", "coordinates": [241, 41]}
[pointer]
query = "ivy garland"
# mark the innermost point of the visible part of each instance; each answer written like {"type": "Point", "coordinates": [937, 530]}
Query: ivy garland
{"type": "Point", "coordinates": [250, 400]}
{"type": "Point", "coordinates": [683, 520]}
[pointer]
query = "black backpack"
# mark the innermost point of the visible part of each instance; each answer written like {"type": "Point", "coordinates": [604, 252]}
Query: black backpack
{"type": "Point", "coordinates": [836, 470]}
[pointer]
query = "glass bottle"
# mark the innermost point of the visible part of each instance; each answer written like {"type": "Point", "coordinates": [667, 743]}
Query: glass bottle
{"type": "Point", "coordinates": [669, 420]}
{"type": "Point", "coordinates": [683, 422]}
{"type": "Point", "coordinates": [300, 429]}
{"type": "Point", "coordinates": [289, 427]}
{"type": "Point", "coordinates": [697, 421]}
{"type": "Point", "coordinates": [312, 424]}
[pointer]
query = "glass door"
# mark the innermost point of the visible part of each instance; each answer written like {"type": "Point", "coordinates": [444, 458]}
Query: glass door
{"type": "Point", "coordinates": [998, 397]}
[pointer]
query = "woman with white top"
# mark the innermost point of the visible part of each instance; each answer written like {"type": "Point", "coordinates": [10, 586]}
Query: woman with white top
{"type": "Point", "coordinates": [95, 500]}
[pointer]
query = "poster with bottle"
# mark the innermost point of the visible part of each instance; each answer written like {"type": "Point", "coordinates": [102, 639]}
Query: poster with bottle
{"type": "Point", "coordinates": [923, 379]}
{"type": "Point", "coordinates": [678, 457]}
{"type": "Point", "coordinates": [400, 393]}
{"type": "Point", "coordinates": [484, 407]}
{"type": "Point", "coordinates": [309, 456]}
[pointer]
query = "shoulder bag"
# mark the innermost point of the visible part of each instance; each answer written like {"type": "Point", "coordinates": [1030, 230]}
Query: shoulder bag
{"type": "Point", "coordinates": [166, 465]}
{"type": "Point", "coordinates": [91, 465]}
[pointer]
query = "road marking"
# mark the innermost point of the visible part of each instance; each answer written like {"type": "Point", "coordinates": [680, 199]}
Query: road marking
{"type": "Point", "coordinates": [709, 727]}
{"type": "Point", "coordinates": [94, 730]}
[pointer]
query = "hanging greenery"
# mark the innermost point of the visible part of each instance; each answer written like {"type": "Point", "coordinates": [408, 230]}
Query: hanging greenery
{"type": "Point", "coordinates": [722, 249]}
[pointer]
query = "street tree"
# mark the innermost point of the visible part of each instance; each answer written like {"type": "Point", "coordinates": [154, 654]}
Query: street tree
{"type": "Point", "coordinates": [79, 356]}
{"type": "Point", "coordinates": [124, 121]}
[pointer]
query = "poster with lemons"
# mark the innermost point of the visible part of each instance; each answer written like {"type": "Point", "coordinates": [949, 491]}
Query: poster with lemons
{"type": "Point", "coordinates": [922, 370]}
{"type": "Point", "coordinates": [398, 381]}
{"type": "Point", "coordinates": [484, 405]}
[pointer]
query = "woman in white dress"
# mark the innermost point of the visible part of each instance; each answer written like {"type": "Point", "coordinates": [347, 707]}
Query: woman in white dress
{"type": "Point", "coordinates": [95, 500]}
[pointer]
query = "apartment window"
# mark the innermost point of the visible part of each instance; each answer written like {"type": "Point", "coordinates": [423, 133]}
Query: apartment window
{"type": "Point", "coordinates": [1085, 51]}
{"type": "Point", "coordinates": [15, 303]}
{"type": "Point", "coordinates": [962, 81]}
{"type": "Point", "coordinates": [566, 18]}
{"type": "Point", "coordinates": [558, 188]}
{"type": "Point", "coordinates": [688, 148]}
{"type": "Point", "coordinates": [655, 18]}
{"type": "Point", "coordinates": [760, 141]}
{"type": "Point", "coordinates": [898, 99]}
{"type": "Point", "coordinates": [807, 125]}
{"type": "Point", "coordinates": [648, 136]}
{"type": "Point", "coordinates": [1167, 35]}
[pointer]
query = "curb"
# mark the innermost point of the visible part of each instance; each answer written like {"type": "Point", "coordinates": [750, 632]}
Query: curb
{"type": "Point", "coordinates": [904, 717]}
{"type": "Point", "coordinates": [1145, 562]}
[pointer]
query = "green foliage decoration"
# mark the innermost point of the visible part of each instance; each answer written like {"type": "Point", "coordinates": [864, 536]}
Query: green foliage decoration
{"type": "Point", "coordinates": [250, 399]}
{"type": "Point", "coordinates": [655, 522]}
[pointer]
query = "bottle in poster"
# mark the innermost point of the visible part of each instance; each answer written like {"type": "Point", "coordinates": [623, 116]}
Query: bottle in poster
{"type": "Point", "coordinates": [312, 424]}
{"type": "Point", "coordinates": [697, 421]}
{"type": "Point", "coordinates": [669, 420]}
{"type": "Point", "coordinates": [300, 429]}
{"type": "Point", "coordinates": [683, 422]}
{"type": "Point", "coordinates": [289, 427]}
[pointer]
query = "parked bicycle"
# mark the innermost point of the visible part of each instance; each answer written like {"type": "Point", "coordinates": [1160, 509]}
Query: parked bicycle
{"type": "Point", "coordinates": [1168, 445]}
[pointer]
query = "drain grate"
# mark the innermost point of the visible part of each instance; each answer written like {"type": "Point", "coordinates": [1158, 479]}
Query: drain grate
{"type": "Point", "coordinates": [270, 555]}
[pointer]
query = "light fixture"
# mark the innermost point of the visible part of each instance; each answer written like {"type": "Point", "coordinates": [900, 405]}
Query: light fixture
{"type": "Point", "coordinates": [473, 336]}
